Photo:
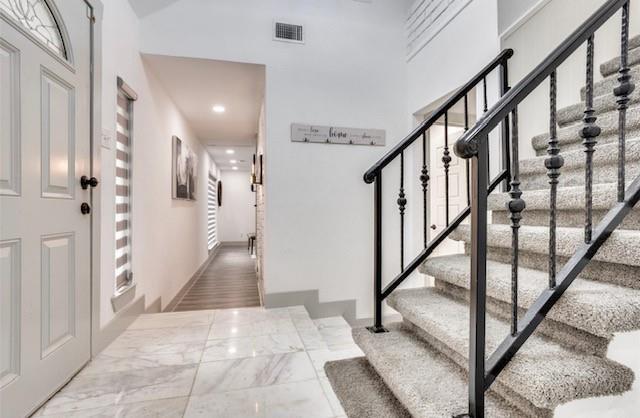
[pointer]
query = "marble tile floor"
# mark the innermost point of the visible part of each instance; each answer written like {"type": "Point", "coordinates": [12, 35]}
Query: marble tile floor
{"type": "Point", "coordinates": [235, 363]}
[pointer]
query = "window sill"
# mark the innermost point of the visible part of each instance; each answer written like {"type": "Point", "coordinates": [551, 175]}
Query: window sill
{"type": "Point", "coordinates": [123, 297]}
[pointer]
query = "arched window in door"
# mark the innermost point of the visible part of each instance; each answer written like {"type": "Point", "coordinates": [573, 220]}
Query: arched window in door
{"type": "Point", "coordinates": [37, 18]}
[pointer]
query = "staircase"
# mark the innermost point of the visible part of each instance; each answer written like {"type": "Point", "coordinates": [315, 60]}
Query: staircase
{"type": "Point", "coordinates": [424, 360]}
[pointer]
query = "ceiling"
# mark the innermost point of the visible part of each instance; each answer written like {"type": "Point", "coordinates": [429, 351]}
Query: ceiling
{"type": "Point", "coordinates": [242, 155]}
{"type": "Point", "coordinates": [196, 85]}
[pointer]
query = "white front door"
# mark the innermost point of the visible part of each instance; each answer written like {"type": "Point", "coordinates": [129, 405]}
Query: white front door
{"type": "Point", "coordinates": [44, 236]}
{"type": "Point", "coordinates": [457, 186]}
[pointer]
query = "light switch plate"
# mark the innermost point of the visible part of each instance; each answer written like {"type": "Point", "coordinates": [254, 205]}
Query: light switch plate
{"type": "Point", "coordinates": [107, 138]}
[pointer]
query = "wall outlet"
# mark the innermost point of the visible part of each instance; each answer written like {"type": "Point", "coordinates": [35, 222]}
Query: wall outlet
{"type": "Point", "coordinates": [107, 138]}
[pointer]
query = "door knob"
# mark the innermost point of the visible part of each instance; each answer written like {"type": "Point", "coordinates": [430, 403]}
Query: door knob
{"type": "Point", "coordinates": [86, 182]}
{"type": "Point", "coordinates": [433, 227]}
{"type": "Point", "coordinates": [85, 208]}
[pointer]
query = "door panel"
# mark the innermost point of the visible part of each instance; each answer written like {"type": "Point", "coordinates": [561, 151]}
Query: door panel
{"type": "Point", "coordinates": [9, 120]}
{"type": "Point", "coordinates": [44, 238]}
{"type": "Point", "coordinates": [58, 291]}
{"type": "Point", "coordinates": [58, 137]}
{"type": "Point", "coordinates": [457, 187]}
{"type": "Point", "coordinates": [9, 310]}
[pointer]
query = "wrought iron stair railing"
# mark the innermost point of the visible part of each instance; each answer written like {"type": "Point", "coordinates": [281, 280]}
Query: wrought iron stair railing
{"type": "Point", "coordinates": [374, 175]}
{"type": "Point", "coordinates": [473, 146]}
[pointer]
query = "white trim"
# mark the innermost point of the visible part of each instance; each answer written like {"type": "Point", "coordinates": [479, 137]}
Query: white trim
{"type": "Point", "coordinates": [99, 337]}
{"type": "Point", "coordinates": [528, 15]}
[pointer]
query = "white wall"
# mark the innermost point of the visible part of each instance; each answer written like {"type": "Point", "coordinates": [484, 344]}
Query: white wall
{"type": "Point", "coordinates": [466, 45]}
{"type": "Point", "coordinates": [350, 72]}
{"type": "Point", "coordinates": [509, 11]}
{"type": "Point", "coordinates": [238, 213]}
{"type": "Point", "coordinates": [169, 236]}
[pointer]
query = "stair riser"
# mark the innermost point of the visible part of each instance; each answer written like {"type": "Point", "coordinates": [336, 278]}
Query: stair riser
{"type": "Point", "coordinates": [565, 335]}
{"type": "Point", "coordinates": [566, 218]}
{"type": "Point", "coordinates": [606, 85]}
{"type": "Point", "coordinates": [622, 247]}
{"type": "Point", "coordinates": [618, 274]}
{"type": "Point", "coordinates": [573, 114]}
{"type": "Point", "coordinates": [570, 176]}
{"type": "Point", "coordinates": [608, 123]}
{"type": "Point", "coordinates": [527, 409]}
{"type": "Point", "coordinates": [575, 144]}
{"type": "Point", "coordinates": [612, 66]}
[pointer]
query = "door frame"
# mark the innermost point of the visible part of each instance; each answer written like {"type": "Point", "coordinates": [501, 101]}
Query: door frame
{"type": "Point", "coordinates": [95, 123]}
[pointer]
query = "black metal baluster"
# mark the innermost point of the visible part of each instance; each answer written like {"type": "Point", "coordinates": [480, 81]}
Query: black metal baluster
{"type": "Point", "coordinates": [446, 160]}
{"type": "Point", "coordinates": [484, 95]}
{"type": "Point", "coordinates": [485, 109]}
{"type": "Point", "coordinates": [516, 205]}
{"type": "Point", "coordinates": [506, 147]}
{"type": "Point", "coordinates": [466, 128]}
{"type": "Point", "coordinates": [402, 203]}
{"type": "Point", "coordinates": [622, 93]}
{"type": "Point", "coordinates": [589, 133]}
{"type": "Point", "coordinates": [553, 164]}
{"type": "Point", "coordinates": [424, 180]}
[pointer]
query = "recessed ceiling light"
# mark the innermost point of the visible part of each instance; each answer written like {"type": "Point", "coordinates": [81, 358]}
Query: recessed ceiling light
{"type": "Point", "coordinates": [233, 161]}
{"type": "Point", "coordinates": [230, 151]}
{"type": "Point", "coordinates": [219, 109]}
{"type": "Point", "coordinates": [234, 168]}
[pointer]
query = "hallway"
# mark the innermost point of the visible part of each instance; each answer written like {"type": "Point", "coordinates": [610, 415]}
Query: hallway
{"type": "Point", "coordinates": [248, 362]}
{"type": "Point", "coordinates": [230, 281]}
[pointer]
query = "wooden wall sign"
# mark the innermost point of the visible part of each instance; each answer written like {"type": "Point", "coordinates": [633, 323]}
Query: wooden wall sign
{"type": "Point", "coordinates": [336, 135]}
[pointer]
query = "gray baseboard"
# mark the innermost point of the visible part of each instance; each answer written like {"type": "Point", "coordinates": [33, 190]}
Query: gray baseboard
{"type": "Point", "coordinates": [178, 297]}
{"type": "Point", "coordinates": [311, 301]}
{"type": "Point", "coordinates": [117, 325]}
{"type": "Point", "coordinates": [154, 307]}
{"type": "Point", "coordinates": [234, 243]}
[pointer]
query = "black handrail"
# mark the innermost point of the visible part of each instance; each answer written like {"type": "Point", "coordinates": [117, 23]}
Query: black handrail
{"type": "Point", "coordinates": [467, 145]}
{"type": "Point", "coordinates": [501, 59]}
{"type": "Point", "coordinates": [473, 146]}
{"type": "Point", "coordinates": [374, 175]}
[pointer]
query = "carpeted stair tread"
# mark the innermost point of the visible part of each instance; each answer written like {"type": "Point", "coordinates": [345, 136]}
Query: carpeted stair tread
{"type": "Point", "coordinates": [622, 247]}
{"type": "Point", "coordinates": [426, 382]}
{"type": "Point", "coordinates": [608, 123]}
{"type": "Point", "coordinates": [573, 114]}
{"type": "Point", "coordinates": [604, 197]}
{"type": "Point", "coordinates": [543, 372]}
{"type": "Point", "coordinates": [607, 84]}
{"type": "Point", "coordinates": [612, 66]}
{"type": "Point", "coordinates": [361, 391]}
{"type": "Point", "coordinates": [582, 305]}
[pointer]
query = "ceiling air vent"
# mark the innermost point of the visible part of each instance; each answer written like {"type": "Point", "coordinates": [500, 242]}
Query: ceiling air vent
{"type": "Point", "coordinates": [287, 32]}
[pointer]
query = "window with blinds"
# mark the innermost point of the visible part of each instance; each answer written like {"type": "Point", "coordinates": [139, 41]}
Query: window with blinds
{"type": "Point", "coordinates": [212, 210]}
{"type": "Point", "coordinates": [124, 276]}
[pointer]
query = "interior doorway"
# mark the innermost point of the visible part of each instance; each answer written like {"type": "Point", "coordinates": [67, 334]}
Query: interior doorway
{"type": "Point", "coordinates": [443, 209]}
{"type": "Point", "coordinates": [223, 102]}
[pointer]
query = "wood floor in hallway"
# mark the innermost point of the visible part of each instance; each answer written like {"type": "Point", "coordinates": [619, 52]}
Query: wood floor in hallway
{"type": "Point", "coordinates": [230, 281]}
